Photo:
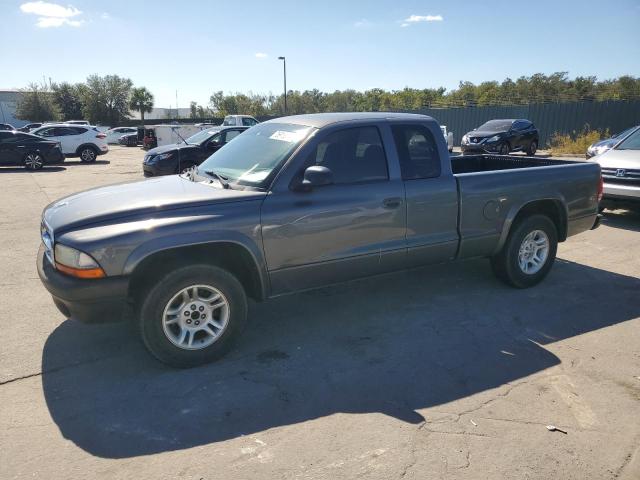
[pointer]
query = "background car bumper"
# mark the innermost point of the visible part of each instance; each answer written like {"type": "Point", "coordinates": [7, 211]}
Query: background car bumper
{"type": "Point", "coordinates": [89, 301]}
{"type": "Point", "coordinates": [623, 192]}
{"type": "Point", "coordinates": [155, 170]}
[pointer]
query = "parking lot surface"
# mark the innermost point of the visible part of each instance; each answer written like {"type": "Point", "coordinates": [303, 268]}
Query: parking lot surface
{"type": "Point", "coordinates": [441, 372]}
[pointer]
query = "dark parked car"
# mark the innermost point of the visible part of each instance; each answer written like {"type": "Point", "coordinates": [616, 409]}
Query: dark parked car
{"type": "Point", "coordinates": [503, 137]}
{"type": "Point", "coordinates": [297, 203]}
{"type": "Point", "coordinates": [129, 140]}
{"type": "Point", "coordinates": [6, 126]}
{"type": "Point", "coordinates": [602, 146]}
{"type": "Point", "coordinates": [180, 157]}
{"type": "Point", "coordinates": [30, 151]}
{"type": "Point", "coordinates": [30, 126]}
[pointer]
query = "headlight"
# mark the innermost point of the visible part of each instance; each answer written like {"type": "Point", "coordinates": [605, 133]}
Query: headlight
{"type": "Point", "coordinates": [495, 138]}
{"type": "Point", "coordinates": [465, 138]}
{"type": "Point", "coordinates": [76, 263]}
{"type": "Point", "coordinates": [163, 156]}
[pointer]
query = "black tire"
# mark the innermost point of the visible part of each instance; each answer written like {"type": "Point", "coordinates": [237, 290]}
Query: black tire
{"type": "Point", "coordinates": [152, 306]}
{"type": "Point", "coordinates": [33, 161]}
{"type": "Point", "coordinates": [532, 148]}
{"type": "Point", "coordinates": [506, 265]}
{"type": "Point", "coordinates": [504, 149]}
{"type": "Point", "coordinates": [88, 154]}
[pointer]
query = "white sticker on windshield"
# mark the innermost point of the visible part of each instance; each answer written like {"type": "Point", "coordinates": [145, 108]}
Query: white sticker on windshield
{"type": "Point", "coordinates": [289, 137]}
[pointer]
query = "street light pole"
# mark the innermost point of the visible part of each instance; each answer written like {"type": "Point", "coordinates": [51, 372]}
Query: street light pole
{"type": "Point", "coordinates": [284, 60]}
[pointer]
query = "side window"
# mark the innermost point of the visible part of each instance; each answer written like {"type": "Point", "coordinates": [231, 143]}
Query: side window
{"type": "Point", "coordinates": [230, 135]}
{"type": "Point", "coordinates": [248, 122]}
{"type": "Point", "coordinates": [47, 132]}
{"type": "Point", "coordinates": [62, 132]}
{"type": "Point", "coordinates": [354, 155]}
{"type": "Point", "coordinates": [77, 130]}
{"type": "Point", "coordinates": [417, 150]}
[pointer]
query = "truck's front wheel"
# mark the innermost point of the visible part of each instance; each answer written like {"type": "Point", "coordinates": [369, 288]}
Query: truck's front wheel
{"type": "Point", "coordinates": [193, 315]}
{"type": "Point", "coordinates": [528, 253]}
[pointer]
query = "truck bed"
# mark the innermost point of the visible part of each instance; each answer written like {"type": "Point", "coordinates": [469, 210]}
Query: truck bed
{"type": "Point", "coordinates": [488, 162]}
{"type": "Point", "coordinates": [492, 188]}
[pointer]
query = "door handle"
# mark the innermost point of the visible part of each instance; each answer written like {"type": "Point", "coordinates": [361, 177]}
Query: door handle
{"type": "Point", "coordinates": [393, 202]}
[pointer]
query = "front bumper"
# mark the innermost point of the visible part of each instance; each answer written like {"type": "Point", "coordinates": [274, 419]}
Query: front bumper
{"type": "Point", "coordinates": [618, 191]}
{"type": "Point", "coordinates": [54, 156]}
{"type": "Point", "coordinates": [479, 147]}
{"type": "Point", "coordinates": [89, 301]}
{"type": "Point", "coordinates": [157, 170]}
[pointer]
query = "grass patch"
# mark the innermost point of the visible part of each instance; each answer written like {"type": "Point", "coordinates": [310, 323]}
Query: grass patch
{"type": "Point", "coordinates": [576, 142]}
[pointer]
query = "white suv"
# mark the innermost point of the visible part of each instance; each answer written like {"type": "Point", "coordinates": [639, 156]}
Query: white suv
{"type": "Point", "coordinates": [82, 141]}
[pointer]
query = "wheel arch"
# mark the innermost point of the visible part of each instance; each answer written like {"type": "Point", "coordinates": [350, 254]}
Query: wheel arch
{"type": "Point", "coordinates": [553, 208]}
{"type": "Point", "coordinates": [230, 255]}
{"type": "Point", "coordinates": [84, 145]}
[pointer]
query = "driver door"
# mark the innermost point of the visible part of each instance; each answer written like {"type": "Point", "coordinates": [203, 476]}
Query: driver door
{"type": "Point", "coordinates": [352, 228]}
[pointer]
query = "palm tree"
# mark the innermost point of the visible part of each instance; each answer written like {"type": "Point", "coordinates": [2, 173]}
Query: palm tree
{"type": "Point", "coordinates": [141, 101]}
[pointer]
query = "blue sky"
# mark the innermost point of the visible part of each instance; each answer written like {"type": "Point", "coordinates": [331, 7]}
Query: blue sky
{"type": "Point", "coordinates": [199, 47]}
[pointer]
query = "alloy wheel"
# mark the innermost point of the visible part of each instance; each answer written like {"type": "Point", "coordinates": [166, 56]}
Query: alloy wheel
{"type": "Point", "coordinates": [533, 252]}
{"type": "Point", "coordinates": [195, 317]}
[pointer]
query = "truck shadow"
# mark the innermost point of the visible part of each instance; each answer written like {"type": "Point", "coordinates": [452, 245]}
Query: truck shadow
{"type": "Point", "coordinates": [392, 344]}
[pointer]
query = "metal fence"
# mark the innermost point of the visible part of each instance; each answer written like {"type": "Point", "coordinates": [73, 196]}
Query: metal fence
{"type": "Point", "coordinates": [550, 118]}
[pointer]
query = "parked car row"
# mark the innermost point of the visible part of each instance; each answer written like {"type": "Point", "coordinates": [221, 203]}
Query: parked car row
{"type": "Point", "coordinates": [50, 144]}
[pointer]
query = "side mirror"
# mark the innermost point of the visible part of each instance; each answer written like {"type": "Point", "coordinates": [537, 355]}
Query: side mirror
{"type": "Point", "coordinates": [316, 176]}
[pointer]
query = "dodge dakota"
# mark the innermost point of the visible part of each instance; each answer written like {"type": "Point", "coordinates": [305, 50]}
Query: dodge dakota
{"type": "Point", "coordinates": [297, 203]}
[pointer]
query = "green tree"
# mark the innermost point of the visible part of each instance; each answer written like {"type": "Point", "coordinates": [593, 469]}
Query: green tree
{"type": "Point", "coordinates": [106, 99]}
{"type": "Point", "coordinates": [68, 99]}
{"type": "Point", "coordinates": [37, 104]}
{"type": "Point", "coordinates": [141, 101]}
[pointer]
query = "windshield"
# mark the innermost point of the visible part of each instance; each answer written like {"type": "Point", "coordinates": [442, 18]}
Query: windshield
{"type": "Point", "coordinates": [252, 156]}
{"type": "Point", "coordinates": [632, 142]}
{"type": "Point", "coordinates": [624, 133]}
{"type": "Point", "coordinates": [202, 136]}
{"type": "Point", "coordinates": [496, 126]}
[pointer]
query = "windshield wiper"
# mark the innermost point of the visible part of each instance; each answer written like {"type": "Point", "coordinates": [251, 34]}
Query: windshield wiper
{"type": "Point", "coordinates": [224, 181]}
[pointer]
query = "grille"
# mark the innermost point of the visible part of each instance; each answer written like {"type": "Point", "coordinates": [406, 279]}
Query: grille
{"type": "Point", "coordinates": [623, 176]}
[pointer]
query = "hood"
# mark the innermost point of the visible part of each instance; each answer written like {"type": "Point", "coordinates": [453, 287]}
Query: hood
{"type": "Point", "coordinates": [171, 148]}
{"type": "Point", "coordinates": [609, 142]}
{"type": "Point", "coordinates": [484, 133]}
{"type": "Point", "coordinates": [145, 197]}
{"type": "Point", "coordinates": [619, 159]}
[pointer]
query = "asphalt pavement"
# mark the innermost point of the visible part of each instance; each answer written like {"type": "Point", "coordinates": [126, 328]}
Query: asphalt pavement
{"type": "Point", "coordinates": [439, 372]}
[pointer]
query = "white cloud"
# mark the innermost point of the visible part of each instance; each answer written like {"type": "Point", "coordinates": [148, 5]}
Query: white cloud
{"type": "Point", "coordinates": [46, 22]}
{"type": "Point", "coordinates": [421, 18]}
{"type": "Point", "coordinates": [363, 23]}
{"type": "Point", "coordinates": [52, 14]}
{"type": "Point", "coordinates": [105, 16]}
{"type": "Point", "coordinates": [261, 55]}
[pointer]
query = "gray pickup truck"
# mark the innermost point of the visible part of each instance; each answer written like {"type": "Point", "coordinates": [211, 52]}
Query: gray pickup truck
{"type": "Point", "coordinates": [297, 203]}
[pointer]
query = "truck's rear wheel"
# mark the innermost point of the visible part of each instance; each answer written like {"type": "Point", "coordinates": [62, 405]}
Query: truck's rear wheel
{"type": "Point", "coordinates": [192, 315]}
{"type": "Point", "coordinates": [528, 253]}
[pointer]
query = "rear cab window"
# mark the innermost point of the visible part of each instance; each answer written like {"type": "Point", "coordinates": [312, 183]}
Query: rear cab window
{"type": "Point", "coordinates": [417, 151]}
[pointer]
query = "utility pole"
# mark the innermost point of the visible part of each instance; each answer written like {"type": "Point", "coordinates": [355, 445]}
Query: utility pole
{"type": "Point", "coordinates": [284, 60]}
